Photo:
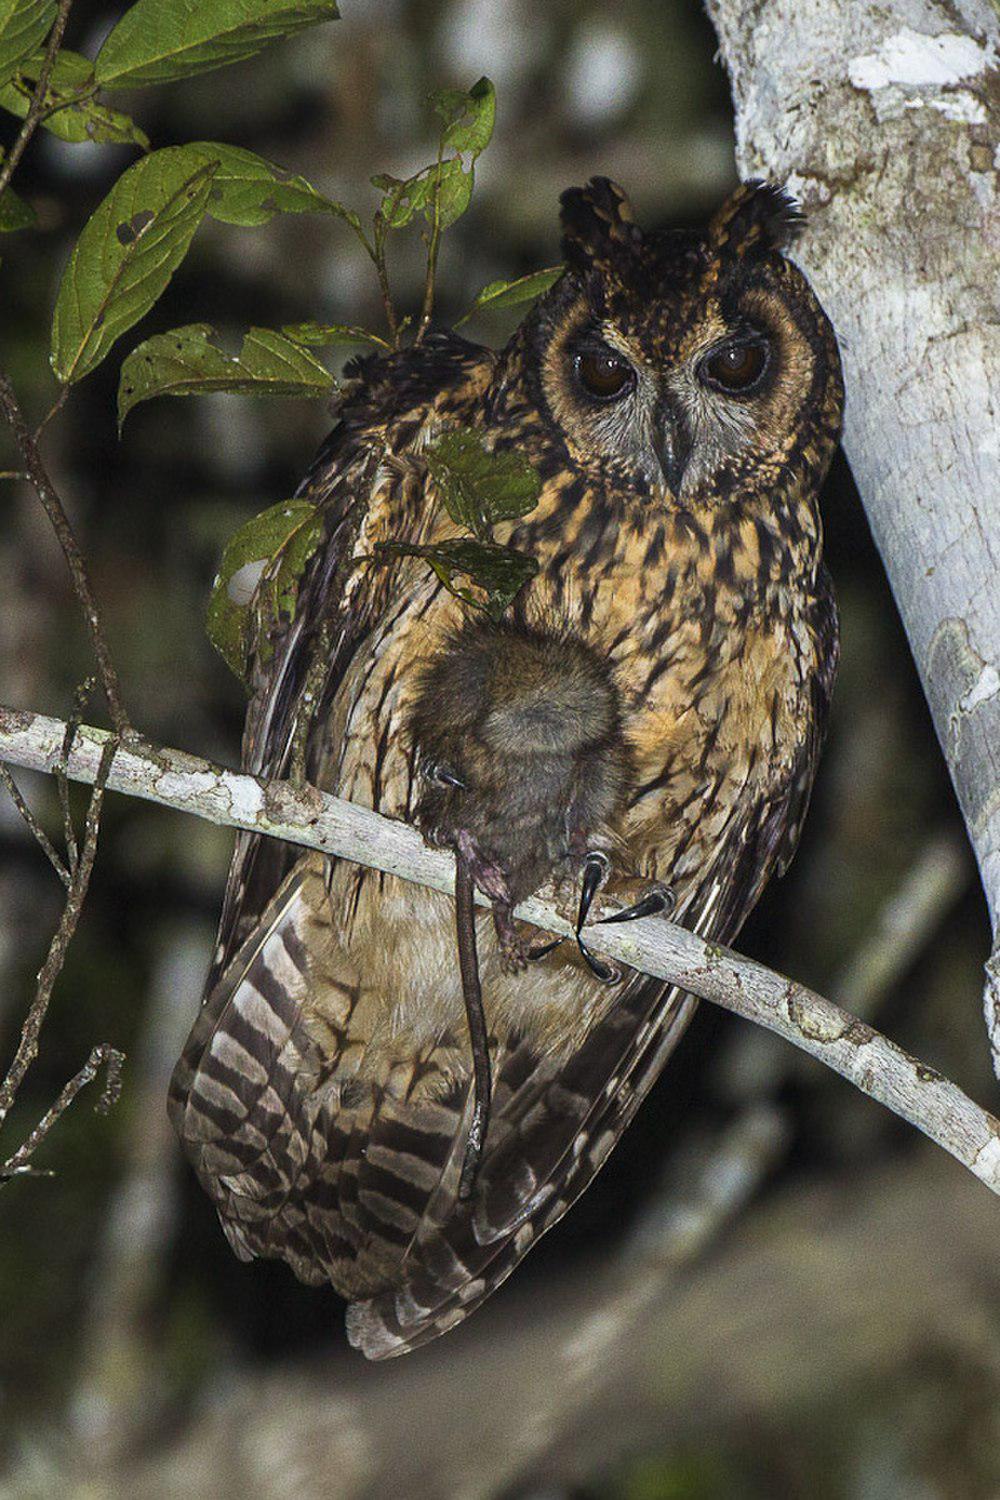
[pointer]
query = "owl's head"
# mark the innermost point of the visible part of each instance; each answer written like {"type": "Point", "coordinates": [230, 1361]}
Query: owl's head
{"type": "Point", "coordinates": [692, 364]}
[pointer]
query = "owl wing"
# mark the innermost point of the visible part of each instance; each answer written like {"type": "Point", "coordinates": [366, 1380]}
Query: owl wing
{"type": "Point", "coordinates": [339, 480]}
{"type": "Point", "coordinates": [382, 415]}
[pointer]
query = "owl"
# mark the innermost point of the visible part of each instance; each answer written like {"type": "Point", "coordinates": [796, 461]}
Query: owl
{"type": "Point", "coordinates": [650, 713]}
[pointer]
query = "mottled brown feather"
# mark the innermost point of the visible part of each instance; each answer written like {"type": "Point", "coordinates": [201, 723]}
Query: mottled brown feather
{"type": "Point", "coordinates": [323, 1096]}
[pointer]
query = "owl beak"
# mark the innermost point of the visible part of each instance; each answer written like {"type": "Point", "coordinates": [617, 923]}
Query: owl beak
{"type": "Point", "coordinates": [672, 446]}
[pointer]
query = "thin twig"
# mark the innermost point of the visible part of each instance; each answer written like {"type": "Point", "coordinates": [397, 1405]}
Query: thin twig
{"type": "Point", "coordinates": [377, 251]}
{"type": "Point", "coordinates": [53, 410]}
{"type": "Point", "coordinates": [900, 932]}
{"type": "Point", "coordinates": [433, 245]}
{"type": "Point", "coordinates": [14, 792]}
{"type": "Point", "coordinates": [71, 101]}
{"type": "Point", "coordinates": [27, 1048]}
{"type": "Point", "coordinates": [102, 1055]}
{"type": "Point", "coordinates": [119, 1399]}
{"type": "Point", "coordinates": [651, 945]}
{"type": "Point", "coordinates": [33, 118]}
{"type": "Point", "coordinates": [54, 509]}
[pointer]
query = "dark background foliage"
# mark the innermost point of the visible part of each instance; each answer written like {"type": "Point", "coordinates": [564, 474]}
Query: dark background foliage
{"type": "Point", "coordinates": [118, 1290]}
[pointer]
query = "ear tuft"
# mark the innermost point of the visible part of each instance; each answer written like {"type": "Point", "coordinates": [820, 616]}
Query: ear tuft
{"type": "Point", "coordinates": [598, 225]}
{"type": "Point", "coordinates": [757, 218]}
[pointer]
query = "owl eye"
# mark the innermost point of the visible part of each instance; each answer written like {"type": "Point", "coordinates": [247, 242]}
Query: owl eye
{"type": "Point", "coordinates": [604, 373]}
{"type": "Point", "coordinates": [736, 367]}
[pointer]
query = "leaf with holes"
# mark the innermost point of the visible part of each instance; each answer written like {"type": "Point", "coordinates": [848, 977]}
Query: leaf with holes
{"type": "Point", "coordinates": [497, 574]}
{"type": "Point", "coordinates": [480, 488]}
{"type": "Point", "coordinates": [184, 362]}
{"type": "Point", "coordinates": [258, 580]}
{"type": "Point", "coordinates": [76, 117]}
{"type": "Point", "coordinates": [24, 25]}
{"type": "Point", "coordinates": [159, 40]}
{"type": "Point", "coordinates": [249, 190]}
{"type": "Point", "coordinates": [129, 249]}
{"type": "Point", "coordinates": [447, 183]}
{"type": "Point", "coordinates": [512, 293]}
{"type": "Point", "coordinates": [404, 198]}
{"type": "Point", "coordinates": [468, 117]}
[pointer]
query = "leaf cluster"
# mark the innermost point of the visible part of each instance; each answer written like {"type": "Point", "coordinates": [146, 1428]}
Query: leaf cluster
{"type": "Point", "coordinates": [137, 237]}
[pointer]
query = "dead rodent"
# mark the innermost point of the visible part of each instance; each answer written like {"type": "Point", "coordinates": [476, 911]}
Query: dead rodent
{"type": "Point", "coordinates": [524, 766]}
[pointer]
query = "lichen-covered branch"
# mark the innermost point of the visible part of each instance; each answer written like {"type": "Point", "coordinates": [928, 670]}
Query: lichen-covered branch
{"type": "Point", "coordinates": [885, 121]}
{"type": "Point", "coordinates": [305, 816]}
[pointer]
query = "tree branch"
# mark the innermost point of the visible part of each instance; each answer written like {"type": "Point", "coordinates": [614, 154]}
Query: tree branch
{"type": "Point", "coordinates": [305, 816]}
{"type": "Point", "coordinates": [884, 121]}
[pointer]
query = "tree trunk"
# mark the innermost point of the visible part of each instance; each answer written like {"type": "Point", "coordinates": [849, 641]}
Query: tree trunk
{"type": "Point", "coordinates": [885, 123]}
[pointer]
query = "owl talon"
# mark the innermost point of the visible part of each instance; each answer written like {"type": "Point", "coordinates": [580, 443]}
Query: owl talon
{"type": "Point", "coordinates": [658, 901]}
{"type": "Point", "coordinates": [541, 950]}
{"type": "Point", "coordinates": [606, 973]}
{"type": "Point", "coordinates": [440, 773]}
{"type": "Point", "coordinates": [596, 868]}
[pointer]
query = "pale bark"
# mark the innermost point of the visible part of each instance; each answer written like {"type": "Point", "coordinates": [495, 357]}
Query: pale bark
{"type": "Point", "coordinates": [885, 122]}
{"type": "Point", "coordinates": [849, 1046]}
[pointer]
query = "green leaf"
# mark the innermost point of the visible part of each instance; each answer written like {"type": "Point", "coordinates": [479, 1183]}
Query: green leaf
{"type": "Point", "coordinates": [128, 251]}
{"type": "Point", "coordinates": [405, 197]}
{"type": "Point", "coordinates": [249, 190]}
{"type": "Point", "coordinates": [511, 293]}
{"type": "Point", "coordinates": [158, 40]}
{"type": "Point", "coordinates": [333, 333]}
{"type": "Point", "coordinates": [456, 192]}
{"type": "Point", "coordinates": [258, 580]}
{"type": "Point", "coordinates": [184, 362]}
{"type": "Point", "coordinates": [478, 487]}
{"type": "Point", "coordinates": [77, 119]}
{"type": "Point", "coordinates": [469, 117]}
{"type": "Point", "coordinates": [15, 213]}
{"type": "Point", "coordinates": [499, 573]}
{"type": "Point", "coordinates": [24, 25]}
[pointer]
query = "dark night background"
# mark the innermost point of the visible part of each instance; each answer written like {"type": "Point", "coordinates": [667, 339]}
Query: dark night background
{"type": "Point", "coordinates": [121, 1306]}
